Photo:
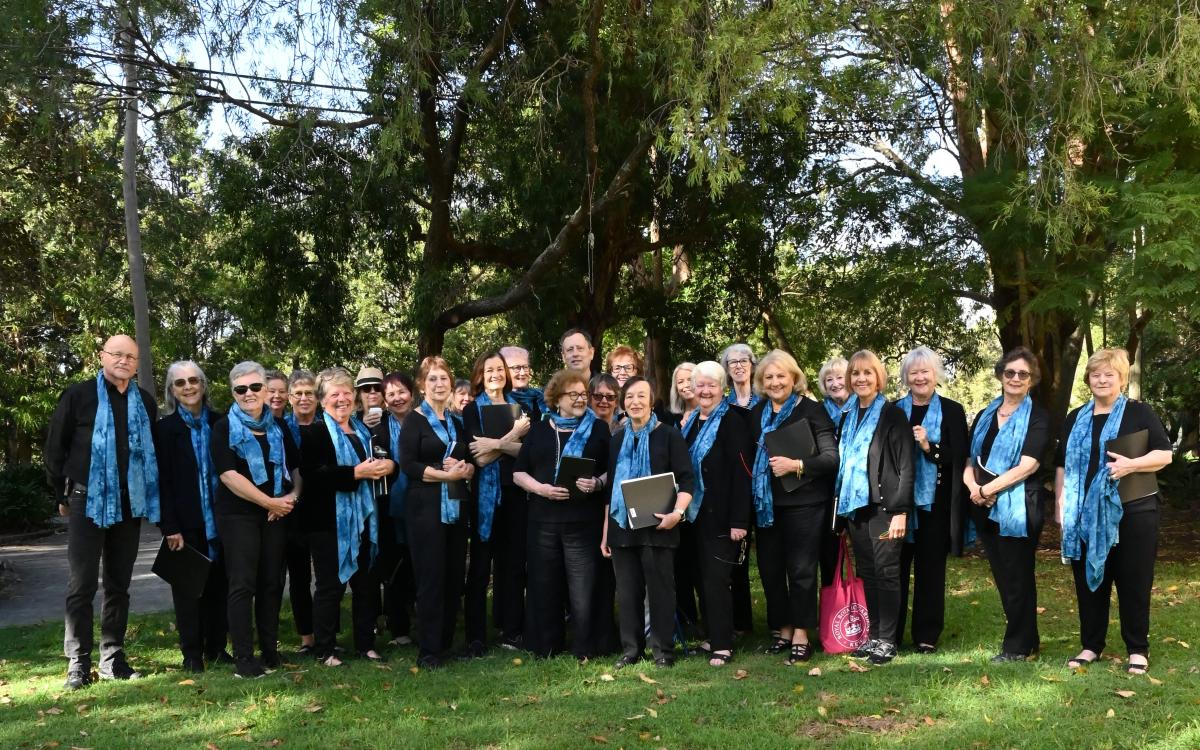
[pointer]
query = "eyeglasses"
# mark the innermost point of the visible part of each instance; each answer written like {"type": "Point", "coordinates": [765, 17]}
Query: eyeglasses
{"type": "Point", "coordinates": [1021, 375]}
{"type": "Point", "coordinates": [253, 387]}
{"type": "Point", "coordinates": [739, 362]}
{"type": "Point", "coordinates": [121, 356]}
{"type": "Point", "coordinates": [302, 394]}
{"type": "Point", "coordinates": [576, 395]}
{"type": "Point", "coordinates": [604, 397]}
{"type": "Point", "coordinates": [520, 368]}
{"type": "Point", "coordinates": [625, 368]}
{"type": "Point", "coordinates": [371, 388]}
{"type": "Point", "coordinates": [181, 382]}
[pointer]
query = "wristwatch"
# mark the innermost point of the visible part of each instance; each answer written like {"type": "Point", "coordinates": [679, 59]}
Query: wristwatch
{"type": "Point", "coordinates": [799, 468]}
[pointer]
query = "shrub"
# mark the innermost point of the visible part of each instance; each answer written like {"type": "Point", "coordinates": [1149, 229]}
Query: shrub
{"type": "Point", "coordinates": [25, 500]}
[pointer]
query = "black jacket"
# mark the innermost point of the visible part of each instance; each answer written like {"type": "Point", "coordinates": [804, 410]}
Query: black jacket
{"type": "Point", "coordinates": [726, 470]}
{"type": "Point", "coordinates": [820, 471]}
{"type": "Point", "coordinates": [890, 460]}
{"type": "Point", "coordinates": [668, 452]}
{"type": "Point", "coordinates": [950, 456]}
{"type": "Point", "coordinates": [178, 475]}
{"type": "Point", "coordinates": [323, 479]}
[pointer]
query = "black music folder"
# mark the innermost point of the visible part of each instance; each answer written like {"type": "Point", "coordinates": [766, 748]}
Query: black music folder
{"type": "Point", "coordinates": [572, 468]}
{"type": "Point", "coordinates": [498, 419]}
{"type": "Point", "coordinates": [1138, 485]}
{"type": "Point", "coordinates": [794, 441]}
{"type": "Point", "coordinates": [186, 569]}
{"type": "Point", "coordinates": [646, 496]}
{"type": "Point", "coordinates": [983, 474]}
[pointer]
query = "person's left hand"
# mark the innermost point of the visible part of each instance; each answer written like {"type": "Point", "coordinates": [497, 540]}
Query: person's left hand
{"type": "Point", "coordinates": [668, 521]}
{"type": "Point", "coordinates": [1120, 466]}
{"type": "Point", "coordinates": [782, 465]}
{"type": "Point", "coordinates": [737, 535]}
{"type": "Point", "coordinates": [898, 527]}
{"type": "Point", "coordinates": [587, 484]}
{"type": "Point", "coordinates": [175, 542]}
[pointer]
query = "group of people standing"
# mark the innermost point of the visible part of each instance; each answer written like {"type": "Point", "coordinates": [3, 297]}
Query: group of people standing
{"type": "Point", "coordinates": [421, 500]}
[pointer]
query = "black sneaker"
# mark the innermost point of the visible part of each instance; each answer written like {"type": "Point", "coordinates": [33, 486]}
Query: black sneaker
{"type": "Point", "coordinates": [429, 661]}
{"type": "Point", "coordinates": [883, 653]}
{"type": "Point", "coordinates": [513, 642]}
{"type": "Point", "coordinates": [78, 678]}
{"type": "Point", "coordinates": [249, 669]}
{"type": "Point", "coordinates": [221, 657]}
{"type": "Point", "coordinates": [193, 664]}
{"type": "Point", "coordinates": [119, 670]}
{"type": "Point", "coordinates": [475, 650]}
{"type": "Point", "coordinates": [664, 662]}
{"type": "Point", "coordinates": [271, 660]}
{"type": "Point", "coordinates": [865, 650]}
{"type": "Point", "coordinates": [1005, 656]}
{"type": "Point", "coordinates": [305, 649]}
{"type": "Point", "coordinates": [627, 661]}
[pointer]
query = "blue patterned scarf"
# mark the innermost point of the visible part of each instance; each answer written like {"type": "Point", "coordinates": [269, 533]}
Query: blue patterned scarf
{"type": "Point", "coordinates": [699, 451]}
{"type": "Point", "coordinates": [925, 480]}
{"type": "Point", "coordinates": [764, 496]}
{"type": "Point", "coordinates": [1009, 510]}
{"type": "Point", "coordinates": [245, 445]}
{"type": "Point", "coordinates": [488, 478]}
{"type": "Point", "coordinates": [834, 411]}
{"type": "Point", "coordinates": [532, 400]}
{"type": "Point", "coordinates": [581, 432]}
{"type": "Point", "coordinates": [355, 509]}
{"type": "Point", "coordinates": [1091, 515]}
{"type": "Point", "coordinates": [141, 477]}
{"type": "Point", "coordinates": [201, 433]}
{"type": "Point", "coordinates": [853, 487]}
{"type": "Point", "coordinates": [293, 427]}
{"type": "Point", "coordinates": [448, 434]}
{"type": "Point", "coordinates": [633, 462]}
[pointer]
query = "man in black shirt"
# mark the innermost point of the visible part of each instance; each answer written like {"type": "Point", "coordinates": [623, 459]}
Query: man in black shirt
{"type": "Point", "coordinates": [68, 457]}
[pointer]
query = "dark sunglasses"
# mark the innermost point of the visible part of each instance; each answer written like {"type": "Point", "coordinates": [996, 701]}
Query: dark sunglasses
{"type": "Point", "coordinates": [371, 388]}
{"type": "Point", "coordinates": [181, 382]}
{"type": "Point", "coordinates": [253, 387]}
{"type": "Point", "coordinates": [604, 397]}
{"type": "Point", "coordinates": [1021, 375]}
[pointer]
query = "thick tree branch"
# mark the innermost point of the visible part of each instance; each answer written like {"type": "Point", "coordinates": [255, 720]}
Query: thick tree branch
{"type": "Point", "coordinates": [906, 170]}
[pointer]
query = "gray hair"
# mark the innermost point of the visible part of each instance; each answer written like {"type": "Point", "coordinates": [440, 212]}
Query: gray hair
{"type": "Point", "coordinates": [833, 363]}
{"type": "Point", "coordinates": [249, 367]}
{"type": "Point", "coordinates": [919, 355]}
{"type": "Point", "coordinates": [507, 351]}
{"type": "Point", "coordinates": [712, 370]}
{"type": "Point", "coordinates": [332, 376]}
{"type": "Point", "coordinates": [675, 400]}
{"type": "Point", "coordinates": [738, 348]}
{"type": "Point", "coordinates": [301, 376]}
{"type": "Point", "coordinates": [169, 395]}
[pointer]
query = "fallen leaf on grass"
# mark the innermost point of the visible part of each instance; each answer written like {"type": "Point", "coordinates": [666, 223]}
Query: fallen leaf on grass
{"type": "Point", "coordinates": [856, 667]}
{"type": "Point", "coordinates": [599, 739]}
{"type": "Point", "coordinates": [1126, 693]}
{"type": "Point", "coordinates": [929, 721]}
{"type": "Point", "coordinates": [1051, 678]}
{"type": "Point", "coordinates": [1041, 610]}
{"type": "Point", "coordinates": [1111, 713]}
{"type": "Point", "coordinates": [635, 717]}
{"type": "Point", "coordinates": [273, 743]}
{"type": "Point", "coordinates": [606, 677]}
{"type": "Point", "coordinates": [313, 708]}
{"type": "Point", "coordinates": [414, 670]}
{"type": "Point", "coordinates": [652, 712]}
{"type": "Point", "coordinates": [1155, 681]}
{"type": "Point", "coordinates": [741, 674]}
{"type": "Point", "coordinates": [517, 662]}
{"type": "Point", "coordinates": [985, 681]}
{"type": "Point", "coordinates": [211, 746]}
{"type": "Point", "coordinates": [4, 699]}
{"type": "Point", "coordinates": [187, 682]}
{"type": "Point", "coordinates": [814, 672]}
{"type": "Point", "coordinates": [798, 688]}
{"type": "Point", "coordinates": [822, 711]}
{"type": "Point", "coordinates": [648, 680]}
{"type": "Point", "coordinates": [1184, 644]}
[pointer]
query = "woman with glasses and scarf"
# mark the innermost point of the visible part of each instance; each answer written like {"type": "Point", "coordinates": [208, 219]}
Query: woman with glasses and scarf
{"type": "Point", "coordinates": [434, 455]}
{"type": "Point", "coordinates": [302, 394]}
{"type": "Point", "coordinates": [644, 559]}
{"type": "Point", "coordinates": [564, 522]}
{"type": "Point", "coordinates": [1107, 539]}
{"type": "Point", "coordinates": [393, 569]}
{"type": "Point", "coordinates": [789, 525]}
{"type": "Point", "coordinates": [738, 361]}
{"type": "Point", "coordinates": [1008, 439]}
{"type": "Point", "coordinates": [603, 392]}
{"type": "Point", "coordinates": [187, 485]}
{"type": "Point", "coordinates": [257, 462]}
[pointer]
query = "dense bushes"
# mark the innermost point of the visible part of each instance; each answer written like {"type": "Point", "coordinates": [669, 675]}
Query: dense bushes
{"type": "Point", "coordinates": [25, 501]}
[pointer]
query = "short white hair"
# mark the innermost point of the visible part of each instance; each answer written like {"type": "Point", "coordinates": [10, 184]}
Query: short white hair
{"type": "Point", "coordinates": [249, 367]}
{"type": "Point", "coordinates": [711, 370]}
{"type": "Point", "coordinates": [172, 371]}
{"type": "Point", "coordinates": [676, 401]}
{"type": "Point", "coordinates": [922, 355]}
{"type": "Point", "coordinates": [833, 363]}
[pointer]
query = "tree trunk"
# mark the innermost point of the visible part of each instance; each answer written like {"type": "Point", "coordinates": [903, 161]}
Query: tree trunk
{"type": "Point", "coordinates": [133, 234]}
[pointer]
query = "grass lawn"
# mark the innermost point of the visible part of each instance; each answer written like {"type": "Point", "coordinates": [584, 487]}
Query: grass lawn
{"type": "Point", "coordinates": [953, 699]}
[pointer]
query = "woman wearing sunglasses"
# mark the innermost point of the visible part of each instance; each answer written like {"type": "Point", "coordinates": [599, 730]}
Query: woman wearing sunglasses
{"type": "Point", "coordinates": [564, 521]}
{"type": "Point", "coordinates": [1007, 442]}
{"type": "Point", "coordinates": [369, 386]}
{"type": "Point", "coordinates": [603, 392]}
{"type": "Point", "coordinates": [257, 461]}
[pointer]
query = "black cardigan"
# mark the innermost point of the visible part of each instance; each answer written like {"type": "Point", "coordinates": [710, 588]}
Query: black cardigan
{"type": "Point", "coordinates": [668, 452]}
{"type": "Point", "coordinates": [890, 460]}
{"type": "Point", "coordinates": [537, 460]}
{"type": "Point", "coordinates": [178, 474]}
{"type": "Point", "coordinates": [950, 456]}
{"type": "Point", "coordinates": [820, 471]}
{"type": "Point", "coordinates": [323, 478]}
{"type": "Point", "coordinates": [726, 471]}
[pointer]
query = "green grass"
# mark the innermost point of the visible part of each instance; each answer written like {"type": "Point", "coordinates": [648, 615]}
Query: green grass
{"type": "Point", "coordinates": [954, 699]}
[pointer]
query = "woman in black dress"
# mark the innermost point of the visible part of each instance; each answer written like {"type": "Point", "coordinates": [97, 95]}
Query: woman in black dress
{"type": "Point", "coordinates": [433, 453]}
{"type": "Point", "coordinates": [187, 486]}
{"type": "Point", "coordinates": [1107, 539]}
{"type": "Point", "coordinates": [564, 523]}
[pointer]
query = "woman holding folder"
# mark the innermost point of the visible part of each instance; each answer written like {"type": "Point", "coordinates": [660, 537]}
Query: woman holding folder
{"type": "Point", "coordinates": [644, 558]}
{"type": "Point", "coordinates": [564, 517]}
{"type": "Point", "coordinates": [433, 454]}
{"type": "Point", "coordinates": [1110, 525]}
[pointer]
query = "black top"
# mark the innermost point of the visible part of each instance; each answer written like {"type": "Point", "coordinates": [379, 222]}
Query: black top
{"type": "Point", "coordinates": [890, 469]}
{"type": "Point", "coordinates": [820, 471]}
{"type": "Point", "coordinates": [668, 452]}
{"type": "Point", "coordinates": [1138, 416]}
{"type": "Point", "coordinates": [323, 477]}
{"type": "Point", "coordinates": [726, 470]}
{"type": "Point", "coordinates": [420, 447]}
{"type": "Point", "coordinates": [542, 445]}
{"type": "Point", "coordinates": [178, 474]}
{"type": "Point", "coordinates": [225, 459]}
{"type": "Point", "coordinates": [1035, 440]}
{"type": "Point", "coordinates": [950, 456]}
{"type": "Point", "coordinates": [68, 451]}
{"type": "Point", "coordinates": [474, 427]}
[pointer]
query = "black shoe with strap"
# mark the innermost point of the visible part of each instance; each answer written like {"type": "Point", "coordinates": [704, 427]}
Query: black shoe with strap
{"type": "Point", "coordinates": [78, 677]}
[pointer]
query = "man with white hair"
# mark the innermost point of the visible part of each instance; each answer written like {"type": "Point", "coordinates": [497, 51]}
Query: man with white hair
{"type": "Point", "coordinates": [529, 397]}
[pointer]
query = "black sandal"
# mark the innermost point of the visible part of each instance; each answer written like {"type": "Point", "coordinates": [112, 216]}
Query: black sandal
{"type": "Point", "coordinates": [719, 657]}
{"type": "Point", "coordinates": [779, 645]}
{"type": "Point", "coordinates": [1133, 668]}
{"type": "Point", "coordinates": [1079, 662]}
{"type": "Point", "coordinates": [800, 652]}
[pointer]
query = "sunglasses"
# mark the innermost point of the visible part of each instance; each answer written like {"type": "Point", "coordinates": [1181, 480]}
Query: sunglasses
{"type": "Point", "coordinates": [1021, 375]}
{"type": "Point", "coordinates": [181, 382]}
{"type": "Point", "coordinates": [604, 397]}
{"type": "Point", "coordinates": [371, 388]}
{"type": "Point", "coordinates": [253, 387]}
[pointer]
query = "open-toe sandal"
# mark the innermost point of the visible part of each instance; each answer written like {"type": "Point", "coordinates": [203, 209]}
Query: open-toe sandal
{"type": "Point", "coordinates": [1081, 661]}
{"type": "Point", "coordinates": [800, 652]}
{"type": "Point", "coordinates": [1134, 668]}
{"type": "Point", "coordinates": [779, 645]}
{"type": "Point", "coordinates": [717, 659]}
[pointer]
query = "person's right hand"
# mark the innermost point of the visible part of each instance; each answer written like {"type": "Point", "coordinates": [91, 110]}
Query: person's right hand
{"type": "Point", "coordinates": [64, 510]}
{"type": "Point", "coordinates": [459, 469]}
{"type": "Point", "coordinates": [605, 550]}
{"type": "Point", "coordinates": [372, 418]}
{"type": "Point", "coordinates": [281, 506]}
{"type": "Point", "coordinates": [554, 492]}
{"type": "Point", "coordinates": [175, 542]}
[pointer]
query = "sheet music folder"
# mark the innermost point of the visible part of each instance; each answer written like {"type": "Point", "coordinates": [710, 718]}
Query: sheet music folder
{"type": "Point", "coordinates": [572, 468]}
{"type": "Point", "coordinates": [793, 441]}
{"type": "Point", "coordinates": [498, 419]}
{"type": "Point", "coordinates": [1141, 484]}
{"type": "Point", "coordinates": [646, 496]}
{"type": "Point", "coordinates": [186, 569]}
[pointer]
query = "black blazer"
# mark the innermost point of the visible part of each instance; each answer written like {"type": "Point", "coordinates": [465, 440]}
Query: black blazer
{"type": "Point", "coordinates": [950, 456]}
{"type": "Point", "coordinates": [178, 475]}
{"type": "Point", "coordinates": [890, 460]}
{"type": "Point", "coordinates": [726, 470]}
{"type": "Point", "coordinates": [668, 452]}
{"type": "Point", "coordinates": [820, 471]}
{"type": "Point", "coordinates": [323, 479]}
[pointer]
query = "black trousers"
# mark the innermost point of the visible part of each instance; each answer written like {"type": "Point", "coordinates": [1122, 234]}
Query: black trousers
{"type": "Point", "coordinates": [739, 586]}
{"type": "Point", "coordinates": [479, 575]}
{"type": "Point", "coordinates": [255, 549]}
{"type": "Point", "coordinates": [1012, 562]}
{"type": "Point", "coordinates": [299, 573]}
{"type": "Point", "coordinates": [645, 574]}
{"type": "Point", "coordinates": [327, 601]}
{"type": "Point", "coordinates": [716, 559]}
{"type": "Point", "coordinates": [393, 573]}
{"type": "Point", "coordinates": [509, 550]}
{"type": "Point", "coordinates": [925, 559]}
{"type": "Point", "coordinates": [203, 623]}
{"type": "Point", "coordinates": [564, 561]}
{"type": "Point", "coordinates": [828, 555]}
{"type": "Point", "coordinates": [1130, 565]}
{"type": "Point", "coordinates": [688, 587]}
{"type": "Point", "coordinates": [877, 563]}
{"type": "Point", "coordinates": [87, 546]}
{"type": "Point", "coordinates": [439, 562]}
{"type": "Point", "coordinates": [604, 621]}
{"type": "Point", "coordinates": [787, 565]}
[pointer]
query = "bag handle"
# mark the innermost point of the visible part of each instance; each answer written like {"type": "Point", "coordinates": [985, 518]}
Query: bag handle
{"type": "Point", "coordinates": [844, 559]}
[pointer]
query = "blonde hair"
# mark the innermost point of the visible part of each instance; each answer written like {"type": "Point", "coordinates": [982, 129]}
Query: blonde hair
{"type": "Point", "coordinates": [919, 355]}
{"type": "Point", "coordinates": [872, 360]}
{"type": "Point", "coordinates": [832, 364]}
{"type": "Point", "coordinates": [1118, 359]}
{"type": "Point", "coordinates": [333, 376]}
{"type": "Point", "coordinates": [676, 401]}
{"type": "Point", "coordinates": [780, 358]}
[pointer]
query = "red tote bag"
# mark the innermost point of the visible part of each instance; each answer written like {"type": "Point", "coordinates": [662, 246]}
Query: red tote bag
{"type": "Point", "coordinates": [844, 622]}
